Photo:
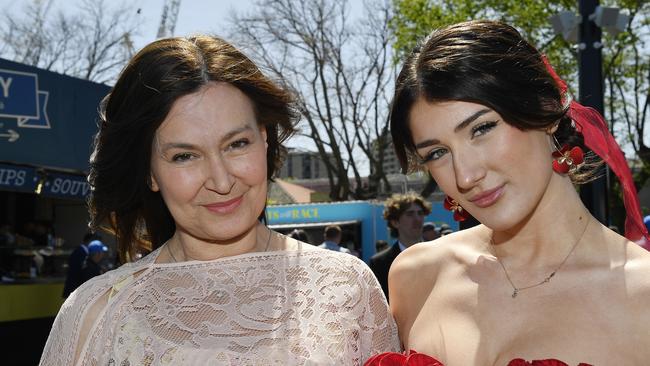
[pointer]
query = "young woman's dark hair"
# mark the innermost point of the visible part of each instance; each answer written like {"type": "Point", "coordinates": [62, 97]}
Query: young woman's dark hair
{"type": "Point", "coordinates": [131, 113]}
{"type": "Point", "coordinates": [488, 63]}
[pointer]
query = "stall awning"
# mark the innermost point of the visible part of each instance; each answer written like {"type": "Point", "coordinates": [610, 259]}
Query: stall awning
{"type": "Point", "coordinates": [43, 182]}
{"type": "Point", "coordinates": [46, 119]}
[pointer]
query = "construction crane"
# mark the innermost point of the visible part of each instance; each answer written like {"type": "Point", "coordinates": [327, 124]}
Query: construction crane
{"type": "Point", "coordinates": [168, 19]}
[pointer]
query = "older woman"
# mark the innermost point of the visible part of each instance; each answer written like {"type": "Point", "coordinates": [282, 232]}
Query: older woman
{"type": "Point", "coordinates": [541, 279]}
{"type": "Point", "coordinates": [189, 137]}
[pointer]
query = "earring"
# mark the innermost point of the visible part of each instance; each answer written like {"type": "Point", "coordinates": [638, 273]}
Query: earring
{"type": "Point", "coordinates": [459, 212]}
{"type": "Point", "coordinates": [567, 159]}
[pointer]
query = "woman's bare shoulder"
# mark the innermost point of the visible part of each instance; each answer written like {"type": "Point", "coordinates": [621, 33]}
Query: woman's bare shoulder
{"type": "Point", "coordinates": [637, 271]}
{"type": "Point", "coordinates": [418, 267]}
{"type": "Point", "coordinates": [453, 249]}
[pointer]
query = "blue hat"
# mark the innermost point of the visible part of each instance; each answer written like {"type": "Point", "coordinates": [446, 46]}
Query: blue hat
{"type": "Point", "coordinates": [96, 246]}
{"type": "Point", "coordinates": [646, 221]}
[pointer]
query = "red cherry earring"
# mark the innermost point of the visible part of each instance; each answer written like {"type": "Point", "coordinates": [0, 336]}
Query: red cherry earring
{"type": "Point", "coordinates": [459, 212]}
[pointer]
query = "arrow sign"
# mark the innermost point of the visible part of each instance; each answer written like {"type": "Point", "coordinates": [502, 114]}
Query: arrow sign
{"type": "Point", "coordinates": [11, 135]}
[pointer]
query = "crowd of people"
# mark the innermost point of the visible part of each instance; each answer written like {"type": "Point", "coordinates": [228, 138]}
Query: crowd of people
{"type": "Point", "coordinates": [190, 136]}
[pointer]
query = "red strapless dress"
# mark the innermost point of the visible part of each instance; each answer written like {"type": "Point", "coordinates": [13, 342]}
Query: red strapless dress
{"type": "Point", "coordinates": [413, 358]}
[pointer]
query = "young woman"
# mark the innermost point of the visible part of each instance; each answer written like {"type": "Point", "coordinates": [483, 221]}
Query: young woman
{"type": "Point", "coordinates": [541, 279]}
{"type": "Point", "coordinates": [189, 137]}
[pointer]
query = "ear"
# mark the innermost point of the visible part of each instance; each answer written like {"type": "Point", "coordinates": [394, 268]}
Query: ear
{"type": "Point", "coordinates": [394, 223]}
{"type": "Point", "coordinates": [153, 183]}
{"type": "Point", "coordinates": [264, 136]}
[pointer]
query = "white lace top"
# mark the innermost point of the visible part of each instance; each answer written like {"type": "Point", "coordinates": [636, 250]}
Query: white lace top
{"type": "Point", "coordinates": [307, 307]}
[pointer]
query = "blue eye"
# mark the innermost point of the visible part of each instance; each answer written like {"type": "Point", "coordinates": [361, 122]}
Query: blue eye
{"type": "Point", "coordinates": [483, 128]}
{"type": "Point", "coordinates": [433, 155]}
{"type": "Point", "coordinates": [182, 157]}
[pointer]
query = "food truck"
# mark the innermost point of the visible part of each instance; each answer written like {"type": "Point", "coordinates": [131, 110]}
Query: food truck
{"type": "Point", "coordinates": [362, 222]}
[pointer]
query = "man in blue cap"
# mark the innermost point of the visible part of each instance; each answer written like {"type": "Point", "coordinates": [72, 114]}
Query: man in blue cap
{"type": "Point", "coordinates": [96, 252]}
{"type": "Point", "coordinates": [73, 278]}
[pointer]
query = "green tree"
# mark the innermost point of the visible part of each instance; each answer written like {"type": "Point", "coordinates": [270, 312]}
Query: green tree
{"type": "Point", "coordinates": [626, 56]}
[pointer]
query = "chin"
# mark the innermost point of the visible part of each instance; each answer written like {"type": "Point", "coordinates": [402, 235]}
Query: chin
{"type": "Point", "coordinates": [500, 221]}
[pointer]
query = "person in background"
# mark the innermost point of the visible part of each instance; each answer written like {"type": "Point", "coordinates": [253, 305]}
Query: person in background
{"type": "Point", "coordinates": [405, 215]}
{"type": "Point", "coordinates": [73, 278]}
{"type": "Point", "coordinates": [380, 245]}
{"type": "Point", "coordinates": [333, 235]}
{"type": "Point", "coordinates": [189, 138]}
{"type": "Point", "coordinates": [96, 253]}
{"type": "Point", "coordinates": [429, 232]}
{"type": "Point", "coordinates": [300, 235]}
{"type": "Point", "coordinates": [351, 247]}
{"type": "Point", "coordinates": [446, 231]}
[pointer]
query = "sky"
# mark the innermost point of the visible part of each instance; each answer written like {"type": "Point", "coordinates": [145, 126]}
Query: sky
{"type": "Point", "coordinates": [194, 16]}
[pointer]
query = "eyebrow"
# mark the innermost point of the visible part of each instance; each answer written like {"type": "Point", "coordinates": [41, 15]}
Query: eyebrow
{"type": "Point", "coordinates": [189, 146]}
{"type": "Point", "coordinates": [463, 124]}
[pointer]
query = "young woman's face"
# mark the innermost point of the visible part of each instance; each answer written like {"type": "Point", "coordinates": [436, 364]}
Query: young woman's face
{"type": "Point", "coordinates": [497, 172]}
{"type": "Point", "coordinates": [209, 163]}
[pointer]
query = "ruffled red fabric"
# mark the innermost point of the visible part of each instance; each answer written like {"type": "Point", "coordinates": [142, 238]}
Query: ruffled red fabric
{"type": "Point", "coordinates": [597, 137]}
{"type": "Point", "coordinates": [549, 362]}
{"type": "Point", "coordinates": [410, 358]}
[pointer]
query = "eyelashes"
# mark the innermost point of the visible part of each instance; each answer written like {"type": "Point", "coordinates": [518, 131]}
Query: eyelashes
{"type": "Point", "coordinates": [234, 146]}
{"type": "Point", "coordinates": [478, 130]}
{"type": "Point", "coordinates": [432, 155]}
{"type": "Point", "coordinates": [182, 157]}
{"type": "Point", "coordinates": [483, 128]}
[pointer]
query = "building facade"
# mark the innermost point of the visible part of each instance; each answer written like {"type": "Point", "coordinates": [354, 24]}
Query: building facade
{"type": "Point", "coordinates": [302, 164]}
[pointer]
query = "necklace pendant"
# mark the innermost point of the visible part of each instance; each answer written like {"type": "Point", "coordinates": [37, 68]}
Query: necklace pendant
{"type": "Point", "coordinates": [514, 293]}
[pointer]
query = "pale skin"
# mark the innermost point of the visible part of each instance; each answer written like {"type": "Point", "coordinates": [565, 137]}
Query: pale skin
{"type": "Point", "coordinates": [452, 300]}
{"type": "Point", "coordinates": [207, 152]}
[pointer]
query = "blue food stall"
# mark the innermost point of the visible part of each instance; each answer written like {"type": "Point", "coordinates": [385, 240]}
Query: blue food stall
{"type": "Point", "coordinates": [362, 222]}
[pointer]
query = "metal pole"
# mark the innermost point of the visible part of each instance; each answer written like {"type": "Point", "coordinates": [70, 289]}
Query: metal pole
{"type": "Point", "coordinates": [594, 195]}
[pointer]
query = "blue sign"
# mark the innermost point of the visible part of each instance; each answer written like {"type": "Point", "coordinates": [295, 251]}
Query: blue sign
{"type": "Point", "coordinates": [42, 121]}
{"type": "Point", "coordinates": [17, 178]}
{"type": "Point", "coordinates": [18, 95]}
{"type": "Point", "coordinates": [43, 182]}
{"type": "Point", "coordinates": [65, 186]}
{"type": "Point", "coordinates": [47, 120]}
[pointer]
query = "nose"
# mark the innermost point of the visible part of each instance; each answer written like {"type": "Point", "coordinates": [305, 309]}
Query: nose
{"type": "Point", "coordinates": [468, 168]}
{"type": "Point", "coordinates": [219, 178]}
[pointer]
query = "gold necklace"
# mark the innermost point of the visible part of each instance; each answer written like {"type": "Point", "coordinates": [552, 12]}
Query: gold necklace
{"type": "Point", "coordinates": [516, 290]}
{"type": "Point", "coordinates": [268, 242]}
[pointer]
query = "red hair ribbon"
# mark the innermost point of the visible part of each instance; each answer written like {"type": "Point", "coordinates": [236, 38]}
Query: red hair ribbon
{"type": "Point", "coordinates": [597, 137]}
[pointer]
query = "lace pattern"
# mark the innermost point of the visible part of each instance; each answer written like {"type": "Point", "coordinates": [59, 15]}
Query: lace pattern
{"type": "Point", "coordinates": [313, 307]}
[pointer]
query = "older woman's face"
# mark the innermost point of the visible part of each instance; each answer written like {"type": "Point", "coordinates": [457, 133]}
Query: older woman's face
{"type": "Point", "coordinates": [209, 163]}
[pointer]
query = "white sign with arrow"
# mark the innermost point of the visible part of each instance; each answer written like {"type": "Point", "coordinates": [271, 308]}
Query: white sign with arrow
{"type": "Point", "coordinates": [11, 135]}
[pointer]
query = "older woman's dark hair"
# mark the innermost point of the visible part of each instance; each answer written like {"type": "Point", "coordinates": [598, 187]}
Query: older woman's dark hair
{"type": "Point", "coordinates": [131, 113]}
{"type": "Point", "coordinates": [482, 62]}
